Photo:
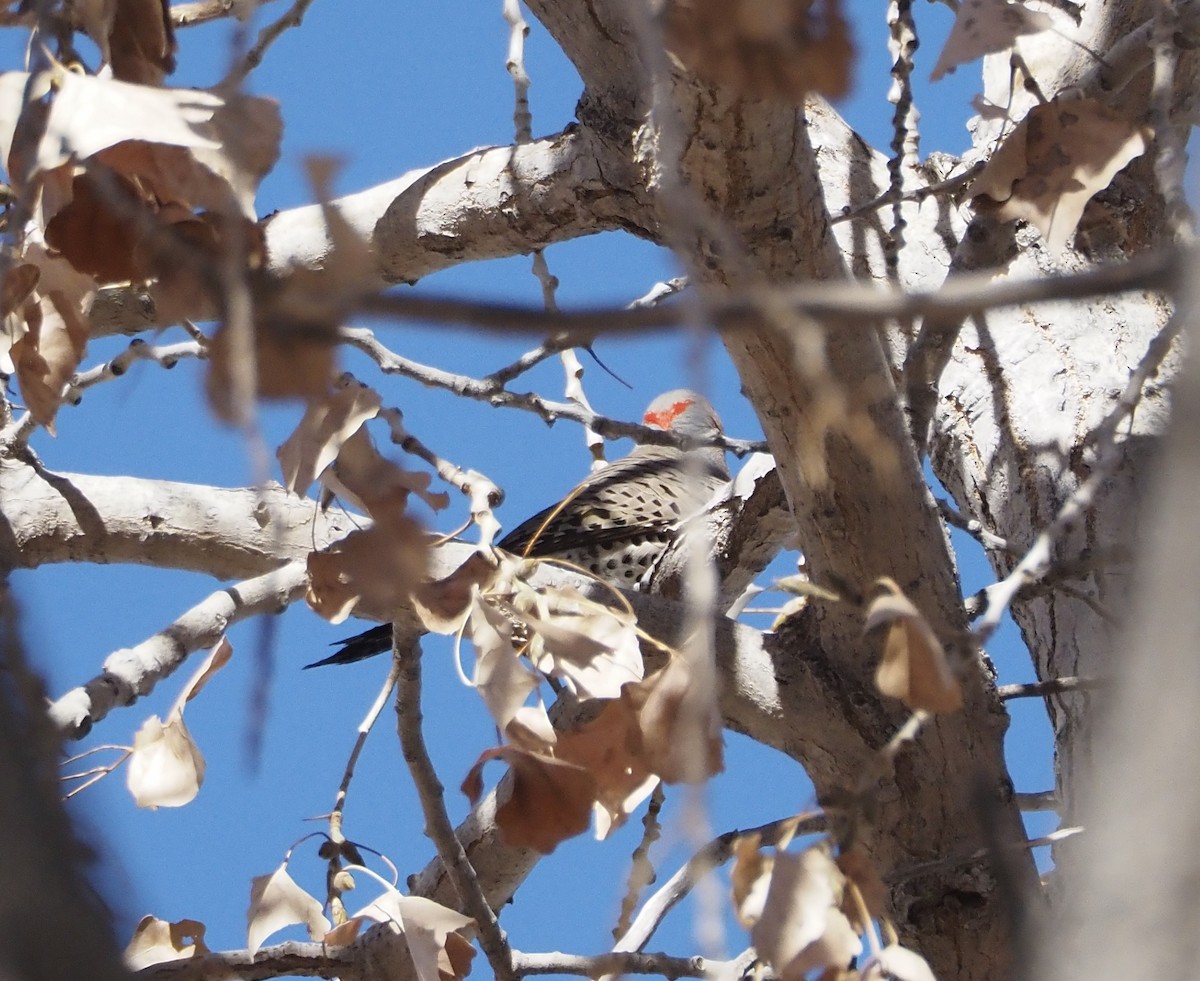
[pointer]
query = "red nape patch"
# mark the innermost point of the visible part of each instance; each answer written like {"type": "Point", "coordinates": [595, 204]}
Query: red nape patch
{"type": "Point", "coordinates": [664, 419]}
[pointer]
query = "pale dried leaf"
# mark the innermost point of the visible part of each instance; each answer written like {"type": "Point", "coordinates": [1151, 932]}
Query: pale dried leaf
{"type": "Point", "coordinates": [800, 927]}
{"type": "Point", "coordinates": [377, 566]}
{"type": "Point", "coordinates": [217, 658]}
{"type": "Point", "coordinates": [764, 49]}
{"type": "Point", "coordinates": [156, 941]}
{"type": "Point", "coordinates": [431, 931]}
{"type": "Point", "coordinates": [327, 423]}
{"type": "Point", "coordinates": [593, 647]}
{"type": "Point", "coordinates": [276, 901]}
{"type": "Point", "coordinates": [138, 131]}
{"type": "Point", "coordinates": [681, 730]}
{"type": "Point", "coordinates": [443, 604]}
{"type": "Point", "coordinates": [370, 481]}
{"type": "Point", "coordinates": [1062, 154]}
{"type": "Point", "coordinates": [550, 800]}
{"type": "Point", "coordinates": [750, 879]}
{"type": "Point", "coordinates": [345, 933]}
{"type": "Point", "coordinates": [984, 26]}
{"type": "Point", "coordinates": [913, 667]}
{"type": "Point", "coordinates": [530, 728]}
{"type": "Point", "coordinates": [46, 356]}
{"type": "Point", "coordinates": [899, 963]}
{"type": "Point", "coordinates": [501, 678]}
{"type": "Point", "coordinates": [166, 768]}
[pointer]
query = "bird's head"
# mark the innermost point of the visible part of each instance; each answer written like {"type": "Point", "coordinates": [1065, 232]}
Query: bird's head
{"type": "Point", "coordinates": [685, 413]}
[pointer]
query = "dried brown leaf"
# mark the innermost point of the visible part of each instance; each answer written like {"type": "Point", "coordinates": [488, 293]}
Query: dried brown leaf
{"type": "Point", "coordinates": [1062, 154]}
{"type": "Point", "coordinates": [141, 41]}
{"type": "Point", "coordinates": [860, 870]}
{"type": "Point", "coordinates": [47, 354]}
{"type": "Point", "coordinates": [368, 480]}
{"type": "Point", "coordinates": [377, 566]}
{"type": "Point", "coordinates": [681, 730]}
{"type": "Point", "coordinates": [609, 747]}
{"type": "Point", "coordinates": [156, 941]}
{"type": "Point", "coordinates": [913, 667]}
{"type": "Point", "coordinates": [276, 901]}
{"type": "Point", "coordinates": [502, 679]}
{"type": "Point", "coordinates": [179, 145]}
{"type": "Point", "coordinates": [290, 363]}
{"type": "Point", "coordinates": [443, 604]}
{"type": "Point", "coordinates": [801, 928]}
{"type": "Point", "coordinates": [550, 802]}
{"type": "Point", "coordinates": [984, 26]}
{"type": "Point", "coordinates": [432, 932]}
{"type": "Point", "coordinates": [326, 425]}
{"type": "Point", "coordinates": [750, 878]}
{"type": "Point", "coordinates": [216, 659]}
{"type": "Point", "coordinates": [764, 49]}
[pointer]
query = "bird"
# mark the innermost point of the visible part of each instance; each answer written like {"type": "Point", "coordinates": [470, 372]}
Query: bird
{"type": "Point", "coordinates": [619, 522]}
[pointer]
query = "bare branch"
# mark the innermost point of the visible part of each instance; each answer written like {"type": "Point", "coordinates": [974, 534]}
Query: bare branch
{"type": "Point", "coordinates": [131, 673]}
{"type": "Point", "coordinates": [266, 37]}
{"type": "Point", "coordinates": [438, 828]}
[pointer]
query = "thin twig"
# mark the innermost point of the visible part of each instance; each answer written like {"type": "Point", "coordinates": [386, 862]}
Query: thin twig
{"type": "Point", "coordinates": [164, 355]}
{"type": "Point", "coordinates": [902, 45]}
{"type": "Point", "coordinates": [973, 528]}
{"type": "Point", "coordinates": [946, 186]}
{"type": "Point", "coordinates": [550, 411]}
{"type": "Point", "coordinates": [292, 17]}
{"type": "Point", "coordinates": [641, 869]}
{"type": "Point", "coordinates": [852, 304]}
{"type": "Point", "coordinates": [437, 821]}
{"type": "Point", "coordinates": [958, 861]}
{"type": "Point", "coordinates": [1055, 686]}
{"type": "Point", "coordinates": [713, 855]}
{"type": "Point", "coordinates": [364, 729]}
{"type": "Point", "coordinates": [525, 965]}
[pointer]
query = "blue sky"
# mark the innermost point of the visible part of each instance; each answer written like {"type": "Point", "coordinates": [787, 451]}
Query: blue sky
{"type": "Point", "coordinates": [389, 87]}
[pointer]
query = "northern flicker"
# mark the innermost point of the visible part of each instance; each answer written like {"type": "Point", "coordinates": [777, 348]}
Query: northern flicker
{"type": "Point", "coordinates": [622, 519]}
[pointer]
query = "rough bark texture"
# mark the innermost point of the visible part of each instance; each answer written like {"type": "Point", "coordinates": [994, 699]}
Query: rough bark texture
{"type": "Point", "coordinates": [745, 193]}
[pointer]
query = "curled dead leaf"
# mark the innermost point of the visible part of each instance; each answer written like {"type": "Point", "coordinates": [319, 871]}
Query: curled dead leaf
{"type": "Point", "coordinates": [49, 351]}
{"type": "Point", "coordinates": [433, 933]}
{"type": "Point", "coordinates": [609, 747]}
{"type": "Point", "coordinates": [156, 941]}
{"type": "Point", "coordinates": [800, 927]}
{"type": "Point", "coordinates": [913, 667]}
{"type": "Point", "coordinates": [368, 480]}
{"type": "Point", "coordinates": [593, 647]}
{"type": "Point", "coordinates": [984, 26]}
{"type": "Point", "coordinates": [1062, 154]}
{"type": "Point", "coordinates": [327, 424]}
{"type": "Point", "coordinates": [443, 604]}
{"type": "Point", "coordinates": [277, 901]}
{"type": "Point", "coordinates": [679, 722]}
{"type": "Point", "coordinates": [550, 800]}
{"type": "Point", "coordinates": [377, 567]}
{"type": "Point", "coordinates": [166, 768]}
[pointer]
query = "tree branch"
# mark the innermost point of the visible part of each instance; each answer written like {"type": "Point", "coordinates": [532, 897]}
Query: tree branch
{"type": "Point", "coordinates": [437, 822]}
{"type": "Point", "coordinates": [133, 672]}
